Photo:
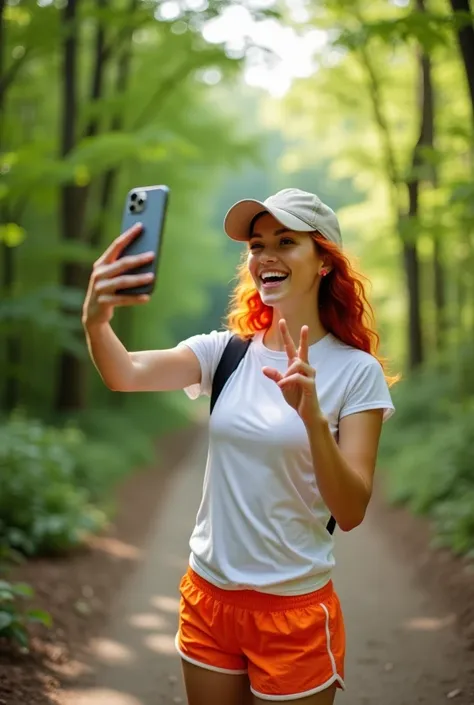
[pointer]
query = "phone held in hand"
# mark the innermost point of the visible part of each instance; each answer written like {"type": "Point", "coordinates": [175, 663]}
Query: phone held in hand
{"type": "Point", "coordinates": [146, 205]}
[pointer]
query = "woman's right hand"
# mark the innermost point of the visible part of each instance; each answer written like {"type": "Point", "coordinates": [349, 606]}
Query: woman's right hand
{"type": "Point", "coordinates": [108, 275]}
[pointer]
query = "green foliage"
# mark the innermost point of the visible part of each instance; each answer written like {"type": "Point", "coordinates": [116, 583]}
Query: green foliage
{"type": "Point", "coordinates": [11, 234]}
{"type": "Point", "coordinates": [427, 453]}
{"type": "Point", "coordinates": [454, 521]}
{"type": "Point", "coordinates": [430, 29]}
{"type": "Point", "coordinates": [58, 482]}
{"type": "Point", "coordinates": [43, 507]}
{"type": "Point", "coordinates": [45, 311]}
{"type": "Point", "coordinates": [14, 616]}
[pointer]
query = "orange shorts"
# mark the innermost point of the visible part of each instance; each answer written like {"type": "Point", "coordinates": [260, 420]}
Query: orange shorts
{"type": "Point", "coordinates": [290, 646]}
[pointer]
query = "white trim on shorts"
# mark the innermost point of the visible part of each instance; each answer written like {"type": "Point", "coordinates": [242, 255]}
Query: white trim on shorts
{"type": "Point", "coordinates": [297, 696]}
{"type": "Point", "coordinates": [228, 671]}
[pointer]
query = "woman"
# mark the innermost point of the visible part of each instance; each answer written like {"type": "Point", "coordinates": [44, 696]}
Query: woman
{"type": "Point", "coordinates": [293, 440]}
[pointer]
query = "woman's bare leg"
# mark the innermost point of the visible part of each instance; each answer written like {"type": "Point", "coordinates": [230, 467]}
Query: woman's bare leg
{"type": "Point", "coordinates": [205, 687]}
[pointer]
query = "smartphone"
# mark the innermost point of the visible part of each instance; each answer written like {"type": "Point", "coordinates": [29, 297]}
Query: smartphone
{"type": "Point", "coordinates": [146, 205]}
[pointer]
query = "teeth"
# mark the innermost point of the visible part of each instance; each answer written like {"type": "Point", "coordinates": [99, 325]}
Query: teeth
{"type": "Point", "coordinates": [268, 275]}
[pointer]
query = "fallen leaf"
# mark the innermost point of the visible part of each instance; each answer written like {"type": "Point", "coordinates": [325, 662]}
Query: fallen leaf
{"type": "Point", "coordinates": [454, 693]}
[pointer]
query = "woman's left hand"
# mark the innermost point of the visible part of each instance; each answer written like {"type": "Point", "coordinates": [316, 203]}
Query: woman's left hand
{"type": "Point", "coordinates": [298, 384]}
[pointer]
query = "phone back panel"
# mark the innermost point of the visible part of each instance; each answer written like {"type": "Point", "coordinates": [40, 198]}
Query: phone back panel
{"type": "Point", "coordinates": [146, 205]}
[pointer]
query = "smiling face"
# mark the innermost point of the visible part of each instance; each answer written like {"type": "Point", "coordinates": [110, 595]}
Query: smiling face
{"type": "Point", "coordinates": [284, 265]}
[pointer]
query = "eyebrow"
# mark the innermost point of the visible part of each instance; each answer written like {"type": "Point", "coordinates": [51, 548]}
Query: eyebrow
{"type": "Point", "coordinates": [280, 231]}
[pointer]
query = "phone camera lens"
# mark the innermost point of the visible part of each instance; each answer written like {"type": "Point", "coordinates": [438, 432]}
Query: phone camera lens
{"type": "Point", "coordinates": [133, 197]}
{"type": "Point", "coordinates": [140, 201]}
{"type": "Point", "coordinates": [132, 208]}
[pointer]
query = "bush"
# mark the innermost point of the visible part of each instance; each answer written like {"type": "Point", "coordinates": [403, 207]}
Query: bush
{"type": "Point", "coordinates": [427, 451]}
{"type": "Point", "coordinates": [57, 483]}
{"type": "Point", "coordinates": [14, 617]}
{"type": "Point", "coordinates": [43, 507]}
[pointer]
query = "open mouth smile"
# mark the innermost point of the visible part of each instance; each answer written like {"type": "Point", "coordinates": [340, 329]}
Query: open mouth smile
{"type": "Point", "coordinates": [272, 279]}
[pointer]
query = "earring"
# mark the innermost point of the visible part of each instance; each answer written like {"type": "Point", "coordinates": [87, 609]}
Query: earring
{"type": "Point", "coordinates": [324, 272]}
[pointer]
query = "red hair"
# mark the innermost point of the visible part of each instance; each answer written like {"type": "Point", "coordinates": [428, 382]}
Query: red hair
{"type": "Point", "coordinates": [344, 308]}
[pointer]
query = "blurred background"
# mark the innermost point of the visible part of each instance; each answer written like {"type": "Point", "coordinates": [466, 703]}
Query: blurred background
{"type": "Point", "coordinates": [368, 104]}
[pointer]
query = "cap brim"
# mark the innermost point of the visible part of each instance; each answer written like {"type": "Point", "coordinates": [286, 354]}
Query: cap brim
{"type": "Point", "coordinates": [239, 217]}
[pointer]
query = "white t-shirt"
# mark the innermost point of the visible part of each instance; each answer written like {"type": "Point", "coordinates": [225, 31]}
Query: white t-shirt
{"type": "Point", "coordinates": [262, 522]}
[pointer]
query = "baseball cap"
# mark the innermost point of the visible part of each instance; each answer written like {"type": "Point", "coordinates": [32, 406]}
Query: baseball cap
{"type": "Point", "coordinates": [295, 209]}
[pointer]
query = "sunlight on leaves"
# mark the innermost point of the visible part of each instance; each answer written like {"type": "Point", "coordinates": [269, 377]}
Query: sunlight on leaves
{"type": "Point", "coordinates": [12, 235]}
{"type": "Point", "coordinates": [17, 15]}
{"type": "Point", "coordinates": [81, 175]}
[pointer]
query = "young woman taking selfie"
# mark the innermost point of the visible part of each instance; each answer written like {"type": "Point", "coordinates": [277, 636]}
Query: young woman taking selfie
{"type": "Point", "coordinates": [293, 443]}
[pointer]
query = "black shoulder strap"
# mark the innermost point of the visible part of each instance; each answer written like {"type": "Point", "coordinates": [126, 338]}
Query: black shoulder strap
{"type": "Point", "coordinates": [231, 358]}
{"type": "Point", "coordinates": [331, 525]}
{"type": "Point", "coordinates": [233, 354]}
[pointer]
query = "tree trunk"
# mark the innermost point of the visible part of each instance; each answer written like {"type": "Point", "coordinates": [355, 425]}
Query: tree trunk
{"type": "Point", "coordinates": [92, 127]}
{"type": "Point", "coordinates": [410, 253]}
{"type": "Point", "coordinates": [2, 51]}
{"type": "Point", "coordinates": [439, 291]}
{"type": "Point", "coordinates": [71, 374]}
{"type": "Point", "coordinates": [412, 266]}
{"type": "Point", "coordinates": [11, 391]}
{"type": "Point", "coordinates": [466, 45]}
{"type": "Point", "coordinates": [412, 272]}
{"type": "Point", "coordinates": [427, 139]}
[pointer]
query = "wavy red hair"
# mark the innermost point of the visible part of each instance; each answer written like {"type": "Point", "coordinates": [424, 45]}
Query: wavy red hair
{"type": "Point", "coordinates": [344, 307]}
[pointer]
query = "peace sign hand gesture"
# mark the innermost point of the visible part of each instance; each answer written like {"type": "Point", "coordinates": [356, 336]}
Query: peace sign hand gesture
{"type": "Point", "coordinates": [298, 383]}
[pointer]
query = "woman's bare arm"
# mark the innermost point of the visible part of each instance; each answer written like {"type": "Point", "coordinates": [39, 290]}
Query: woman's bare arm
{"type": "Point", "coordinates": [145, 371]}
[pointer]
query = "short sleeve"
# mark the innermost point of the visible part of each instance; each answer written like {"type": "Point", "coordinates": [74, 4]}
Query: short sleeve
{"type": "Point", "coordinates": [208, 349]}
{"type": "Point", "coordinates": [368, 390]}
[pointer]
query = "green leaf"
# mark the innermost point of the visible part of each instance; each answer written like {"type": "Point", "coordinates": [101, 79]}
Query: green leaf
{"type": "Point", "coordinates": [6, 620]}
{"type": "Point", "coordinates": [41, 617]}
{"type": "Point", "coordinates": [82, 175]}
{"type": "Point", "coordinates": [23, 590]}
{"type": "Point", "coordinates": [18, 15]}
{"type": "Point", "coordinates": [5, 586]}
{"type": "Point", "coordinates": [6, 596]}
{"type": "Point", "coordinates": [19, 634]}
{"type": "Point", "coordinates": [12, 234]}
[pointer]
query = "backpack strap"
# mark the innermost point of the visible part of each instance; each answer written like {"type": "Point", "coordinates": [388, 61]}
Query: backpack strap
{"type": "Point", "coordinates": [331, 525]}
{"type": "Point", "coordinates": [231, 358]}
{"type": "Point", "coordinates": [233, 354]}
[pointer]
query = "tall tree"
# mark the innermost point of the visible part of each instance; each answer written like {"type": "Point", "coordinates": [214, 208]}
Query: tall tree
{"type": "Point", "coordinates": [411, 263]}
{"type": "Point", "coordinates": [12, 341]}
{"type": "Point", "coordinates": [465, 33]}
{"type": "Point", "coordinates": [423, 169]}
{"type": "Point", "coordinates": [71, 387]}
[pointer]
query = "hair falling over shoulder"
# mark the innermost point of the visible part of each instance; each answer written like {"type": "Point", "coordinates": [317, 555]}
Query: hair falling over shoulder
{"type": "Point", "coordinates": [344, 308]}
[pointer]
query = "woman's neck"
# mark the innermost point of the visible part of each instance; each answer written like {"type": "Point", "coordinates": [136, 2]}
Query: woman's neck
{"type": "Point", "coordinates": [295, 321]}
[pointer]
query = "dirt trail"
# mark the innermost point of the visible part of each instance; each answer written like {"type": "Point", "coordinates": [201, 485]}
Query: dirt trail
{"type": "Point", "coordinates": [402, 647]}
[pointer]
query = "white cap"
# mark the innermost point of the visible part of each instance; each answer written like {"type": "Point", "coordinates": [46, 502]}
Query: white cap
{"type": "Point", "coordinates": [295, 209]}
